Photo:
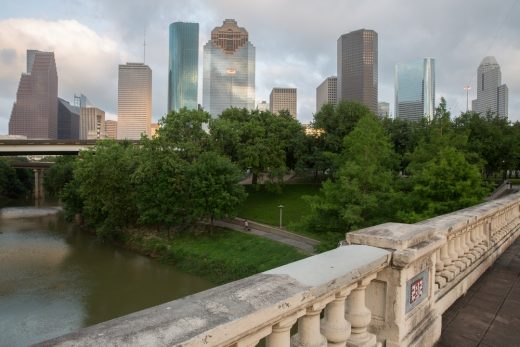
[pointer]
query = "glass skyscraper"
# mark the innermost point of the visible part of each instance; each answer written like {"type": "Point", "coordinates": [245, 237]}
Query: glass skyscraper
{"type": "Point", "coordinates": [183, 72]}
{"type": "Point", "coordinates": [415, 89]}
{"type": "Point", "coordinates": [229, 69]}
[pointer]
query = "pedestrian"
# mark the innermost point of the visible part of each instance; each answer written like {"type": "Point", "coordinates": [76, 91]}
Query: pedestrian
{"type": "Point", "coordinates": [246, 225]}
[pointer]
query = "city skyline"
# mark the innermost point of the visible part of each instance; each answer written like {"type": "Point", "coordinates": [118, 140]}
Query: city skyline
{"type": "Point", "coordinates": [289, 52]}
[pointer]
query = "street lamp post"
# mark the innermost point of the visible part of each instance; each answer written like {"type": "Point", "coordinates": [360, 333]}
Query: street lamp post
{"type": "Point", "coordinates": [467, 88]}
{"type": "Point", "coordinates": [281, 209]}
{"type": "Point", "coordinates": [231, 72]}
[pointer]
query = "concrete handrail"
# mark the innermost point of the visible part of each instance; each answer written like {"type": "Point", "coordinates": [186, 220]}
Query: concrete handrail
{"type": "Point", "coordinates": [265, 305]}
{"type": "Point", "coordinates": [389, 285]}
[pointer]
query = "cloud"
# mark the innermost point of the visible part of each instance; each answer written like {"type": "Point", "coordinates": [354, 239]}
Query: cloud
{"type": "Point", "coordinates": [86, 61]}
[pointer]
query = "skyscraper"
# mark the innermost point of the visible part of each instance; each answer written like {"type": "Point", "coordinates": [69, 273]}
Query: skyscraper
{"type": "Point", "coordinates": [492, 95]}
{"type": "Point", "coordinates": [111, 129]}
{"type": "Point", "coordinates": [183, 72]}
{"type": "Point", "coordinates": [68, 120]}
{"type": "Point", "coordinates": [415, 89]}
{"type": "Point", "coordinates": [327, 92]}
{"type": "Point", "coordinates": [283, 99]}
{"type": "Point", "coordinates": [357, 68]}
{"type": "Point", "coordinates": [91, 123]}
{"type": "Point", "coordinates": [229, 69]}
{"type": "Point", "coordinates": [134, 101]}
{"type": "Point", "coordinates": [35, 112]}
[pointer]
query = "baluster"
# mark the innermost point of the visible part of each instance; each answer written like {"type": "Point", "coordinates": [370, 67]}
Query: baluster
{"type": "Point", "coordinates": [359, 316]}
{"type": "Point", "coordinates": [439, 267]}
{"type": "Point", "coordinates": [469, 246]}
{"type": "Point", "coordinates": [449, 269]}
{"type": "Point", "coordinates": [454, 266]}
{"type": "Point", "coordinates": [253, 339]}
{"type": "Point", "coordinates": [281, 335]}
{"type": "Point", "coordinates": [309, 329]}
{"type": "Point", "coordinates": [459, 248]}
{"type": "Point", "coordinates": [334, 326]}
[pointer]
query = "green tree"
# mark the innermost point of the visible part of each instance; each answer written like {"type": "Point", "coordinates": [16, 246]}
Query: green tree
{"type": "Point", "coordinates": [184, 132]}
{"type": "Point", "coordinates": [213, 187]}
{"type": "Point", "coordinates": [261, 142]}
{"type": "Point", "coordinates": [360, 192]}
{"type": "Point", "coordinates": [58, 175]}
{"type": "Point", "coordinates": [445, 183]}
{"type": "Point", "coordinates": [103, 189]}
{"type": "Point", "coordinates": [162, 188]}
{"type": "Point", "coordinates": [14, 183]}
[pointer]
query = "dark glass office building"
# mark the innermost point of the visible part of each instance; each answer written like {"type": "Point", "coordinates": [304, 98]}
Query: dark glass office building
{"type": "Point", "coordinates": [68, 120]}
{"type": "Point", "coordinates": [183, 65]}
{"type": "Point", "coordinates": [357, 68]}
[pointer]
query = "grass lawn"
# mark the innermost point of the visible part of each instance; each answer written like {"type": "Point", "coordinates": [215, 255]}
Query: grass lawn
{"type": "Point", "coordinates": [222, 256]}
{"type": "Point", "coordinates": [262, 206]}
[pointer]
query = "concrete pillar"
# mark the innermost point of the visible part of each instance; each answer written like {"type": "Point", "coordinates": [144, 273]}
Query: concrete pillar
{"type": "Point", "coordinates": [359, 316]}
{"type": "Point", "coordinates": [309, 329]}
{"type": "Point", "coordinates": [38, 186]}
{"type": "Point", "coordinates": [334, 326]}
{"type": "Point", "coordinates": [281, 335]}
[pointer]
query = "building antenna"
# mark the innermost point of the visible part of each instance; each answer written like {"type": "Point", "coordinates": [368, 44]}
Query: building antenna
{"type": "Point", "coordinates": [144, 46]}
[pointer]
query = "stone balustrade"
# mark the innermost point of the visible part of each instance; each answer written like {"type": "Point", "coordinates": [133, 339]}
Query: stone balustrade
{"type": "Point", "coordinates": [389, 285]}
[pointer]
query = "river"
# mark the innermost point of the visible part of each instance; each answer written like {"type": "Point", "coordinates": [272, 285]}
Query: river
{"type": "Point", "coordinates": [55, 279]}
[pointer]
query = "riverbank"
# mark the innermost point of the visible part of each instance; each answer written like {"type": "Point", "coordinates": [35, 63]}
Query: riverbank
{"type": "Point", "coordinates": [220, 256]}
{"type": "Point", "coordinates": [28, 212]}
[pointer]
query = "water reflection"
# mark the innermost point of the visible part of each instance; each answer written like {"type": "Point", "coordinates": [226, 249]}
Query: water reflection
{"type": "Point", "coordinates": [55, 279]}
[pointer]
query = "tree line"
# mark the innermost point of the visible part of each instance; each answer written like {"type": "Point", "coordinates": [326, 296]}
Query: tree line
{"type": "Point", "coordinates": [372, 170]}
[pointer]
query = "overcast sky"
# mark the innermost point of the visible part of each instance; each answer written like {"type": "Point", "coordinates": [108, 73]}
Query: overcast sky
{"type": "Point", "coordinates": [295, 43]}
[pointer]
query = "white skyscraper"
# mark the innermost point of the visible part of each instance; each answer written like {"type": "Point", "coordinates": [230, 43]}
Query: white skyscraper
{"type": "Point", "coordinates": [492, 95]}
{"type": "Point", "coordinates": [134, 101]}
{"type": "Point", "coordinates": [229, 69]}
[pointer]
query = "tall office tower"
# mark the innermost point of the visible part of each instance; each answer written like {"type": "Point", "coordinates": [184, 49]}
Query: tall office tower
{"type": "Point", "coordinates": [91, 123]}
{"type": "Point", "coordinates": [68, 120]}
{"type": "Point", "coordinates": [229, 69]}
{"type": "Point", "coordinates": [283, 99]}
{"type": "Point", "coordinates": [357, 68]}
{"type": "Point", "coordinates": [415, 89]}
{"type": "Point", "coordinates": [263, 106]}
{"type": "Point", "coordinates": [492, 95]}
{"type": "Point", "coordinates": [111, 129]}
{"type": "Point", "coordinates": [383, 109]}
{"type": "Point", "coordinates": [134, 101]}
{"type": "Point", "coordinates": [183, 72]}
{"type": "Point", "coordinates": [35, 112]}
{"type": "Point", "coordinates": [327, 92]}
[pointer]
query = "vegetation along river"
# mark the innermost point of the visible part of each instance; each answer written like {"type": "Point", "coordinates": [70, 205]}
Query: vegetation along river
{"type": "Point", "coordinates": [55, 279]}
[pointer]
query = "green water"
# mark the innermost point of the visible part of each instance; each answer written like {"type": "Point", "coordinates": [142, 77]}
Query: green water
{"type": "Point", "coordinates": [55, 279]}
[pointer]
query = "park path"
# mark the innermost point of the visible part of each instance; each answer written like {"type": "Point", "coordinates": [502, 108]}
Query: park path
{"type": "Point", "coordinates": [302, 243]}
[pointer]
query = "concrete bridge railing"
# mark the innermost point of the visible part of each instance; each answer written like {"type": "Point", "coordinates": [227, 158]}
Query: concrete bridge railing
{"type": "Point", "coordinates": [389, 286]}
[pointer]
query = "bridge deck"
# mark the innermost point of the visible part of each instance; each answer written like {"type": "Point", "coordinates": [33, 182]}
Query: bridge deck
{"type": "Point", "coordinates": [489, 314]}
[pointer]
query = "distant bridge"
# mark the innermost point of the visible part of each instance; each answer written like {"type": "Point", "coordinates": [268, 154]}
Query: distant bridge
{"type": "Point", "coordinates": [45, 147]}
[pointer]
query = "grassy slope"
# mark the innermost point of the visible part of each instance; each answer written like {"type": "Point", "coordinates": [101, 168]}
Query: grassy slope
{"type": "Point", "coordinates": [221, 257]}
{"type": "Point", "coordinates": [262, 206]}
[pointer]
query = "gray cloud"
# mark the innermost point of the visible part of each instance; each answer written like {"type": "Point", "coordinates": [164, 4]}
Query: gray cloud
{"type": "Point", "coordinates": [296, 42]}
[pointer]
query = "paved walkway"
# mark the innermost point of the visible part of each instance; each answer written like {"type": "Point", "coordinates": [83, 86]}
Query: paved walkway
{"type": "Point", "coordinates": [302, 246]}
{"type": "Point", "coordinates": [489, 314]}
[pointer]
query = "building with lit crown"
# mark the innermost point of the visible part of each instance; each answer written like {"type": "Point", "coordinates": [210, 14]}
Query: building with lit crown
{"type": "Point", "coordinates": [492, 95]}
{"type": "Point", "coordinates": [134, 101]}
{"type": "Point", "coordinates": [183, 66]}
{"type": "Point", "coordinates": [229, 69]}
{"type": "Point", "coordinates": [415, 89]}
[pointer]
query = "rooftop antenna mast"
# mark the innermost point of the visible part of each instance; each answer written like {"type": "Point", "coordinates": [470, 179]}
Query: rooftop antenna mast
{"type": "Point", "coordinates": [144, 47]}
